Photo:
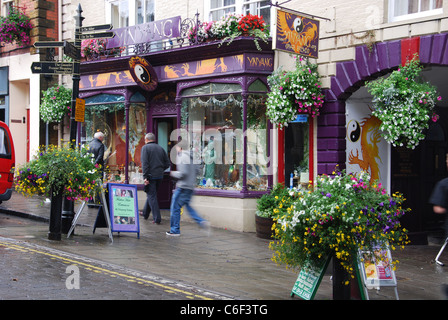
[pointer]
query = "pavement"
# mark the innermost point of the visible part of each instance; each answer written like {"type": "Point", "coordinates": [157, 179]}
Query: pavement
{"type": "Point", "coordinates": [229, 264]}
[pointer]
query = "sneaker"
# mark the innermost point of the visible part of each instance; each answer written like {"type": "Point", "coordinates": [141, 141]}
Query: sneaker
{"type": "Point", "coordinates": [205, 225]}
{"type": "Point", "coordinates": [168, 233]}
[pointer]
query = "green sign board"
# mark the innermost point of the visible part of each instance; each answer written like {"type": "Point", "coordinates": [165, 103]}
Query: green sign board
{"type": "Point", "coordinates": [309, 280]}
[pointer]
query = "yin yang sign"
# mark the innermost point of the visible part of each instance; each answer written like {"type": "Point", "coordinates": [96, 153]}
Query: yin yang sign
{"type": "Point", "coordinates": [143, 73]}
{"type": "Point", "coordinates": [298, 24]}
{"type": "Point", "coordinates": [353, 131]}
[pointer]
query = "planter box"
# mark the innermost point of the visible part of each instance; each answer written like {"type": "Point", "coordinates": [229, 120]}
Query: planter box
{"type": "Point", "coordinates": [263, 227]}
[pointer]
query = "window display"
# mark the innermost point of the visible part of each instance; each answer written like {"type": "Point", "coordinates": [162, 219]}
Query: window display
{"type": "Point", "coordinates": [215, 127]}
{"type": "Point", "coordinates": [106, 113]}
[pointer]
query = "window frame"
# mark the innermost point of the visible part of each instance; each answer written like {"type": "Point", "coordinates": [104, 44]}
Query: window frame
{"type": "Point", "coordinates": [239, 8]}
{"type": "Point", "coordinates": [409, 16]}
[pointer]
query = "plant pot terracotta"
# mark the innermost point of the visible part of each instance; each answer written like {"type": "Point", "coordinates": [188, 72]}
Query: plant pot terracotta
{"type": "Point", "coordinates": [263, 227]}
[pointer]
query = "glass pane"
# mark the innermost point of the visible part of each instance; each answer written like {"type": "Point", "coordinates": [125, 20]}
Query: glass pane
{"type": "Point", "coordinates": [297, 152]}
{"type": "Point", "coordinates": [104, 98]}
{"type": "Point", "coordinates": [149, 12]}
{"type": "Point", "coordinates": [258, 86]}
{"type": "Point", "coordinates": [137, 131]}
{"type": "Point", "coordinates": [257, 138]}
{"type": "Point", "coordinates": [413, 6]}
{"type": "Point", "coordinates": [214, 125]}
{"type": "Point", "coordinates": [110, 120]}
{"type": "Point", "coordinates": [424, 5]}
{"type": "Point", "coordinates": [400, 7]}
{"type": "Point", "coordinates": [5, 148]}
{"type": "Point", "coordinates": [211, 88]}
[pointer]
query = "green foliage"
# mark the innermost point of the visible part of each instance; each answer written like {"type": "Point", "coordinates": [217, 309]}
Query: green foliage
{"type": "Point", "coordinates": [341, 215]}
{"type": "Point", "coordinates": [55, 104]}
{"type": "Point", "coordinates": [404, 104]}
{"type": "Point", "coordinates": [294, 92]}
{"type": "Point", "coordinates": [59, 169]}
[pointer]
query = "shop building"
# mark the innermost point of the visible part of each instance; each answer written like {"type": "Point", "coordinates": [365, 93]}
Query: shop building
{"type": "Point", "coordinates": [218, 87]}
{"type": "Point", "coordinates": [212, 94]}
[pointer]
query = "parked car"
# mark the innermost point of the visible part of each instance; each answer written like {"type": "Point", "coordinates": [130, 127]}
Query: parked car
{"type": "Point", "coordinates": [7, 162]}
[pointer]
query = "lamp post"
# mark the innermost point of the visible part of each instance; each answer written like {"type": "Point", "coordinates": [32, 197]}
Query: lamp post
{"type": "Point", "coordinates": [68, 209]}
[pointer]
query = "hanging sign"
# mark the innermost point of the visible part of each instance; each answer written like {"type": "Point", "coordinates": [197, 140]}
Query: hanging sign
{"type": "Point", "coordinates": [80, 109]}
{"type": "Point", "coordinates": [297, 34]}
{"type": "Point", "coordinates": [123, 207]}
{"type": "Point", "coordinates": [143, 73]}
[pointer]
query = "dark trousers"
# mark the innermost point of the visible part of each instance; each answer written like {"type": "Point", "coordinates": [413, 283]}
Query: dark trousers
{"type": "Point", "coordinates": [151, 204]}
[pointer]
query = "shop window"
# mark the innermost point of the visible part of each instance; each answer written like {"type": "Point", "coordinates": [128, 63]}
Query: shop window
{"type": "Point", "coordinates": [213, 119]}
{"type": "Point", "coordinates": [106, 113]}
{"type": "Point", "coordinates": [410, 9]}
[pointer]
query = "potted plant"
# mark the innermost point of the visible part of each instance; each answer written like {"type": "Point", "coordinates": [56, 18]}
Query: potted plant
{"type": "Point", "coordinates": [294, 92]}
{"type": "Point", "coordinates": [267, 209]}
{"type": "Point", "coordinates": [92, 49]}
{"type": "Point", "coordinates": [58, 172]}
{"type": "Point", "coordinates": [344, 213]}
{"type": "Point", "coordinates": [55, 104]}
{"type": "Point", "coordinates": [230, 27]}
{"type": "Point", "coordinates": [15, 27]}
{"type": "Point", "coordinates": [404, 104]}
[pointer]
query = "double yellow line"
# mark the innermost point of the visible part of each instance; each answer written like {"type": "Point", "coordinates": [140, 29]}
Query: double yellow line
{"type": "Point", "coordinates": [91, 267]}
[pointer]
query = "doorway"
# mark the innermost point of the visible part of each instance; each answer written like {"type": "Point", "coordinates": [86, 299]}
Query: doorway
{"type": "Point", "coordinates": [162, 128]}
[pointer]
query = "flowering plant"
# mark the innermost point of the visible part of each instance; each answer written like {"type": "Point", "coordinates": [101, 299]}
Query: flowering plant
{"type": "Point", "coordinates": [56, 169]}
{"type": "Point", "coordinates": [15, 27]}
{"type": "Point", "coordinates": [55, 104]}
{"type": "Point", "coordinates": [93, 48]}
{"type": "Point", "coordinates": [230, 27]}
{"type": "Point", "coordinates": [343, 214]}
{"type": "Point", "coordinates": [404, 104]}
{"type": "Point", "coordinates": [267, 205]}
{"type": "Point", "coordinates": [294, 92]}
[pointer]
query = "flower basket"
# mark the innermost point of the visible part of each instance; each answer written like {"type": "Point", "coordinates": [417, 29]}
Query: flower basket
{"type": "Point", "coordinates": [343, 214]}
{"type": "Point", "coordinates": [55, 170]}
{"type": "Point", "coordinates": [55, 104]}
{"type": "Point", "coordinates": [228, 28]}
{"type": "Point", "coordinates": [294, 92]}
{"type": "Point", "coordinates": [95, 49]}
{"type": "Point", "coordinates": [16, 27]}
{"type": "Point", "coordinates": [404, 104]}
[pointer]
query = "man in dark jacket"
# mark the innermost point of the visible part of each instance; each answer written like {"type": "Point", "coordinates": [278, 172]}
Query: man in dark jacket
{"type": "Point", "coordinates": [96, 147]}
{"type": "Point", "coordinates": [154, 163]}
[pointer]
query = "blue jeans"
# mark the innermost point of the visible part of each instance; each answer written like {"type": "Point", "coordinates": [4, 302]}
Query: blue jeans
{"type": "Point", "coordinates": [180, 198]}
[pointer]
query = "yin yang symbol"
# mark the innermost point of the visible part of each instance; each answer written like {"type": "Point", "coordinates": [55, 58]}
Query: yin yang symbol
{"type": "Point", "coordinates": [142, 74]}
{"type": "Point", "coordinates": [353, 131]}
{"type": "Point", "coordinates": [298, 25]}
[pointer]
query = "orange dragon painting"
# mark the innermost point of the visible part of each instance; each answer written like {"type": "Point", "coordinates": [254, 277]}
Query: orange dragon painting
{"type": "Point", "coordinates": [370, 138]}
{"type": "Point", "coordinates": [298, 34]}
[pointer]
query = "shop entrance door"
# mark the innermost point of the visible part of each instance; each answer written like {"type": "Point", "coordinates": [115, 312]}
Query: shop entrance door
{"type": "Point", "coordinates": [162, 128]}
{"type": "Point", "coordinates": [415, 173]}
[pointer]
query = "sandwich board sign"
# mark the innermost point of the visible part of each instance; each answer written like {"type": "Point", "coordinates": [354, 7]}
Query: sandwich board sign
{"type": "Point", "coordinates": [309, 280]}
{"type": "Point", "coordinates": [123, 205]}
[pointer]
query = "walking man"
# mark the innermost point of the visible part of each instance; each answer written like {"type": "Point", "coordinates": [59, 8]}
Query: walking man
{"type": "Point", "coordinates": [154, 162]}
{"type": "Point", "coordinates": [96, 147]}
{"type": "Point", "coordinates": [186, 175]}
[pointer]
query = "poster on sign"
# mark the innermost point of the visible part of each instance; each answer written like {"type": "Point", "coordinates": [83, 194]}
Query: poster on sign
{"type": "Point", "coordinates": [123, 206]}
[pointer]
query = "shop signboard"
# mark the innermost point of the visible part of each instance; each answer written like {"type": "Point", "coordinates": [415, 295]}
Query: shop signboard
{"type": "Point", "coordinates": [297, 34]}
{"type": "Point", "coordinates": [123, 206]}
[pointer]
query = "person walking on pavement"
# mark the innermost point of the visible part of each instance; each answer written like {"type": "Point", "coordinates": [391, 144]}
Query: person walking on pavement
{"type": "Point", "coordinates": [439, 200]}
{"type": "Point", "coordinates": [96, 147]}
{"type": "Point", "coordinates": [154, 163]}
{"type": "Point", "coordinates": [186, 175]}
